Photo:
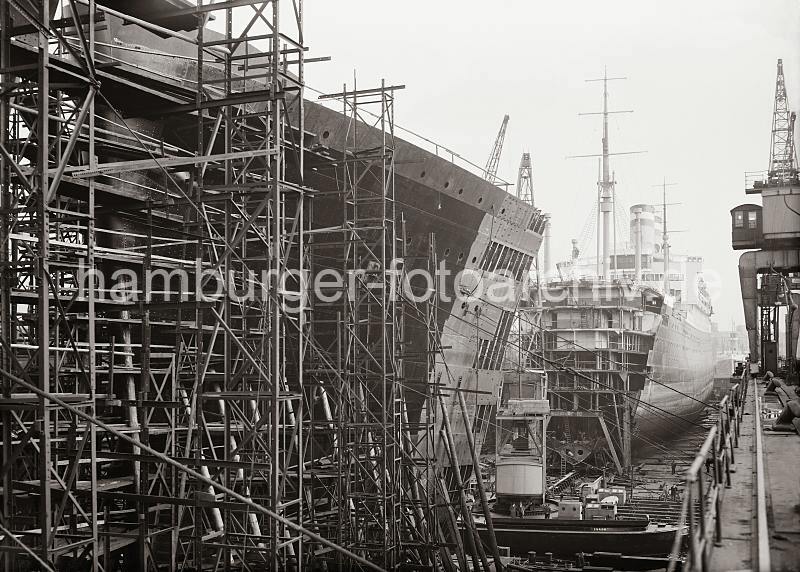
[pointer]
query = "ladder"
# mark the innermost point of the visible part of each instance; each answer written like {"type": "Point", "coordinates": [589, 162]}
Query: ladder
{"type": "Point", "coordinates": [568, 439]}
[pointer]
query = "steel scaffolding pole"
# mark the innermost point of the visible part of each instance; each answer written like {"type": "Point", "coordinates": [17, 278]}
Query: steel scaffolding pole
{"type": "Point", "coordinates": [211, 383]}
{"type": "Point", "coordinates": [49, 464]}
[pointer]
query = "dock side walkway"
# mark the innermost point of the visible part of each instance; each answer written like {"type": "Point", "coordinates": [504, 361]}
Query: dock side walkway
{"type": "Point", "coordinates": [738, 549]}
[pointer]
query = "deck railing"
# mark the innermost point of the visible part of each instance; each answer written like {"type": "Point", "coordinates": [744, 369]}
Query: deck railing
{"type": "Point", "coordinates": [702, 501]}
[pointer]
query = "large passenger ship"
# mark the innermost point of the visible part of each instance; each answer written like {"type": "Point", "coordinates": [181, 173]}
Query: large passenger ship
{"type": "Point", "coordinates": [630, 358]}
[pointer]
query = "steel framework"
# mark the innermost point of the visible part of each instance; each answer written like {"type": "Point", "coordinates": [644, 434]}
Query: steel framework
{"type": "Point", "coordinates": [497, 148]}
{"type": "Point", "coordinates": [208, 380]}
{"type": "Point", "coordinates": [173, 395]}
{"type": "Point", "coordinates": [525, 179]}
{"type": "Point", "coordinates": [782, 164]}
{"type": "Point", "coordinates": [374, 460]}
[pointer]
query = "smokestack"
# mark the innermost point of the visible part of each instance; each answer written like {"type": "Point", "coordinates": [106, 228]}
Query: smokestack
{"type": "Point", "coordinates": [546, 245]}
{"type": "Point", "coordinates": [637, 243]}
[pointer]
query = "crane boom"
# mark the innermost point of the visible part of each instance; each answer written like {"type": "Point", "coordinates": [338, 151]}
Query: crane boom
{"type": "Point", "coordinates": [782, 166]}
{"type": "Point", "coordinates": [494, 159]}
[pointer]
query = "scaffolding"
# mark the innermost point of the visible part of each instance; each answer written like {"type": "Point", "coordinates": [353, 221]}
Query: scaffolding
{"type": "Point", "coordinates": [174, 395]}
{"type": "Point", "coordinates": [206, 375]}
{"type": "Point", "coordinates": [49, 338]}
{"type": "Point", "coordinates": [377, 467]}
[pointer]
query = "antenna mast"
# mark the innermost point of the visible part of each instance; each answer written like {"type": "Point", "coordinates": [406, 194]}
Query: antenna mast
{"type": "Point", "coordinates": [606, 185]}
{"type": "Point", "coordinates": [494, 159]}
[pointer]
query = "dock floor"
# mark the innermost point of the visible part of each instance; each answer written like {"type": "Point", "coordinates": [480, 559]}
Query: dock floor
{"type": "Point", "coordinates": [781, 458]}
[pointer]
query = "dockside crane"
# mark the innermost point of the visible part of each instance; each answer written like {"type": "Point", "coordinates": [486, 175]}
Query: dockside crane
{"type": "Point", "coordinates": [494, 159]}
{"type": "Point", "coordinates": [782, 164]}
{"type": "Point", "coordinates": [525, 179]}
{"type": "Point", "coordinates": [782, 173]}
{"type": "Point", "coordinates": [524, 192]}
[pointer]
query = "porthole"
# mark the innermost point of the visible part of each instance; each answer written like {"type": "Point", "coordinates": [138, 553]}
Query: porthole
{"type": "Point", "coordinates": [460, 256]}
{"type": "Point", "coordinates": [474, 258]}
{"type": "Point", "coordinates": [480, 200]}
{"type": "Point", "coordinates": [447, 252]}
{"type": "Point", "coordinates": [460, 191]}
{"type": "Point", "coordinates": [502, 211]}
{"type": "Point", "coordinates": [422, 175]}
{"type": "Point", "coordinates": [326, 134]}
{"type": "Point", "coordinates": [447, 184]}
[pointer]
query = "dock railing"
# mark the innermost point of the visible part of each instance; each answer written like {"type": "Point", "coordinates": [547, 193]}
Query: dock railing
{"type": "Point", "coordinates": [702, 498]}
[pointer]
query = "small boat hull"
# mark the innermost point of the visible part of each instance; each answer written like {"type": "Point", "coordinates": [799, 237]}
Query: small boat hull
{"type": "Point", "coordinates": [566, 538]}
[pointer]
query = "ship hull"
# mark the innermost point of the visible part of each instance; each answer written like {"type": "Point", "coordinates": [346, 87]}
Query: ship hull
{"type": "Point", "coordinates": [477, 226]}
{"type": "Point", "coordinates": [625, 368]}
{"type": "Point", "coordinates": [566, 538]}
{"type": "Point", "coordinates": [681, 379]}
{"type": "Point", "coordinates": [481, 237]}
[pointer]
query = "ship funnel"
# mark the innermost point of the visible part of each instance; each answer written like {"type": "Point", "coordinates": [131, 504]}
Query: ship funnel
{"type": "Point", "coordinates": [546, 246]}
{"type": "Point", "coordinates": [649, 228]}
{"type": "Point", "coordinates": [637, 242]}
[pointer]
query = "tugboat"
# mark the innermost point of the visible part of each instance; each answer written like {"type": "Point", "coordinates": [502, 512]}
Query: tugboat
{"type": "Point", "coordinates": [528, 516]}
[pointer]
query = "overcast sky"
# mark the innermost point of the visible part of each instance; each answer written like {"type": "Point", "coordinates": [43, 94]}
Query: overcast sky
{"type": "Point", "coordinates": [701, 80]}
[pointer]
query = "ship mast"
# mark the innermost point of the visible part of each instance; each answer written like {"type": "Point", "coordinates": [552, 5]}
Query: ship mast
{"type": "Point", "coordinates": [665, 236]}
{"type": "Point", "coordinates": [605, 182]}
{"type": "Point", "coordinates": [606, 185]}
{"type": "Point", "coordinates": [665, 231]}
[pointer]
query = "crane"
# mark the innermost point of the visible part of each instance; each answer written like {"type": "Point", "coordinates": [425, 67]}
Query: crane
{"type": "Point", "coordinates": [525, 179]}
{"type": "Point", "coordinates": [782, 166]}
{"type": "Point", "coordinates": [494, 158]}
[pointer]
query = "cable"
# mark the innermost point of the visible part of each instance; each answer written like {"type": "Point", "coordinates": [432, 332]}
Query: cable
{"type": "Point", "coordinates": [620, 364]}
{"type": "Point", "coordinates": [656, 411]}
{"type": "Point", "coordinates": [623, 394]}
{"type": "Point", "coordinates": [599, 383]}
{"type": "Point", "coordinates": [624, 368]}
{"type": "Point", "coordinates": [609, 421]}
{"type": "Point", "coordinates": [561, 367]}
